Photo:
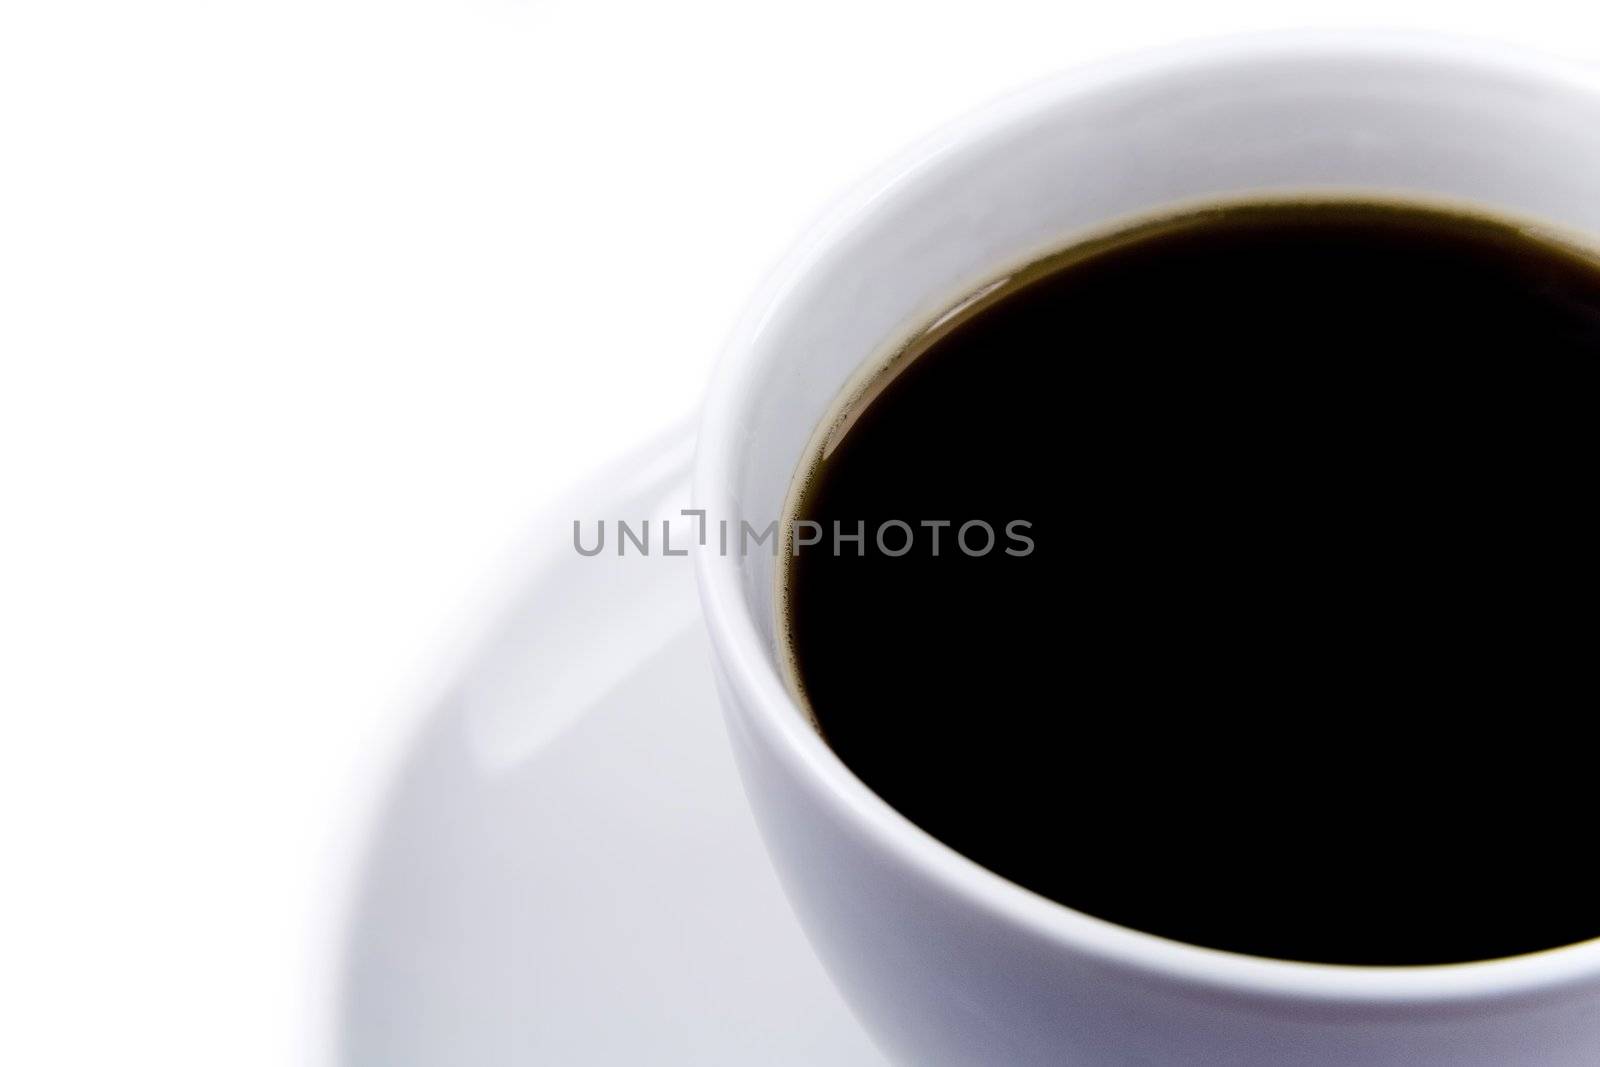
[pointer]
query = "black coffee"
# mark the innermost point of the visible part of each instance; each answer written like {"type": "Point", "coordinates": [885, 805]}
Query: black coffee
{"type": "Point", "coordinates": [1296, 647]}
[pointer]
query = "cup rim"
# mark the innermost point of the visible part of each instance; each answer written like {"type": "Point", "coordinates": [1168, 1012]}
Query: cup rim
{"type": "Point", "coordinates": [768, 707]}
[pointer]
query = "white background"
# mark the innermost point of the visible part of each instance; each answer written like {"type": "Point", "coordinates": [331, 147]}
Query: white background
{"type": "Point", "coordinates": [305, 307]}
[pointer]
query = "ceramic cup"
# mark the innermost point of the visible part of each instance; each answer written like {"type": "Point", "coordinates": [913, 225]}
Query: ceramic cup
{"type": "Point", "coordinates": [942, 960]}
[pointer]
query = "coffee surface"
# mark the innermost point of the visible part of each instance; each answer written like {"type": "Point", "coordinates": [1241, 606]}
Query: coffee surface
{"type": "Point", "coordinates": [1300, 657]}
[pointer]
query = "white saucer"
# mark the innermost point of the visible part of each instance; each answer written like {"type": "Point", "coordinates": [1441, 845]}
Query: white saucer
{"type": "Point", "coordinates": [565, 870]}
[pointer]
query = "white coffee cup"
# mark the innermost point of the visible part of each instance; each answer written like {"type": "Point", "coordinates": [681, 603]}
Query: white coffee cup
{"type": "Point", "coordinates": [944, 961]}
